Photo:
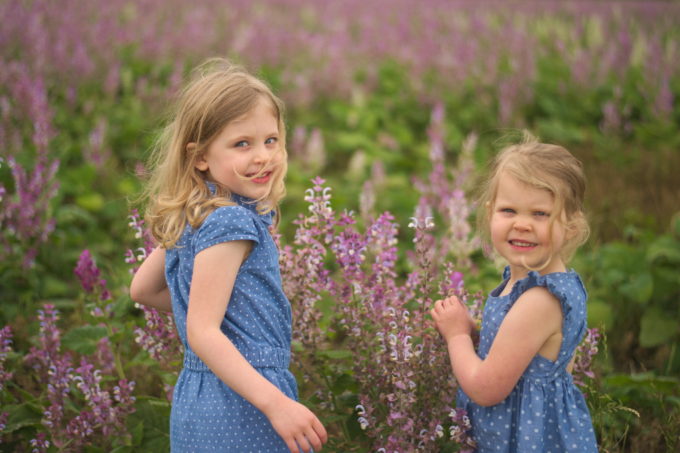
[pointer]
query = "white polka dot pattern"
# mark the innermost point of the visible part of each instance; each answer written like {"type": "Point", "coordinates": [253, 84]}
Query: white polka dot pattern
{"type": "Point", "coordinates": [545, 412]}
{"type": "Point", "coordinates": [207, 416]}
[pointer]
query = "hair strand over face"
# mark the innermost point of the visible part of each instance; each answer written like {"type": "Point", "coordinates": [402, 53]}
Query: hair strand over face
{"type": "Point", "coordinates": [177, 193]}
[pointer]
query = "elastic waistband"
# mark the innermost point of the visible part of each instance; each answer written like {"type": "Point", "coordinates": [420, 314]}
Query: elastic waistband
{"type": "Point", "coordinates": [258, 357]}
{"type": "Point", "coordinates": [558, 375]}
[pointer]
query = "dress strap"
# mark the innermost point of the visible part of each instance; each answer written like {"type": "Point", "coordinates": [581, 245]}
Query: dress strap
{"type": "Point", "coordinates": [567, 287]}
{"type": "Point", "coordinates": [259, 357]}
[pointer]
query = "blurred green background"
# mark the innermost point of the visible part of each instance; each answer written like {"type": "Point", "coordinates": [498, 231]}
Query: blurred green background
{"type": "Point", "coordinates": [86, 85]}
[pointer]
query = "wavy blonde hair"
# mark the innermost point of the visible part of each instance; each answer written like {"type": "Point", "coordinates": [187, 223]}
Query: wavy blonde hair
{"type": "Point", "coordinates": [177, 193]}
{"type": "Point", "coordinates": [547, 167]}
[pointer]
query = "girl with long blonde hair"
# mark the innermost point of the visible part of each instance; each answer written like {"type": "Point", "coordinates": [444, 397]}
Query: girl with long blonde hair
{"type": "Point", "coordinates": [217, 179]}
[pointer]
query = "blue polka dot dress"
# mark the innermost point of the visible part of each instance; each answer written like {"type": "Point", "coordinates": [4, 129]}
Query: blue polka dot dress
{"type": "Point", "coordinates": [545, 412]}
{"type": "Point", "coordinates": [207, 416]}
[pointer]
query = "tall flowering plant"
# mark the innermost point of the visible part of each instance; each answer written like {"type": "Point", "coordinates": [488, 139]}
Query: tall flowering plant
{"type": "Point", "coordinates": [405, 392]}
{"type": "Point", "coordinates": [25, 216]}
{"type": "Point", "coordinates": [79, 403]}
{"type": "Point", "coordinates": [158, 336]}
{"type": "Point", "coordinates": [405, 389]}
{"type": "Point", "coordinates": [584, 356]}
{"type": "Point", "coordinates": [444, 193]}
{"type": "Point", "coordinates": [5, 374]}
{"type": "Point", "coordinates": [350, 280]}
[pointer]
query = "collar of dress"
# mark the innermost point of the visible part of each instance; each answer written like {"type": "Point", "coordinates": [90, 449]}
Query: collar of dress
{"type": "Point", "coordinates": [247, 203]}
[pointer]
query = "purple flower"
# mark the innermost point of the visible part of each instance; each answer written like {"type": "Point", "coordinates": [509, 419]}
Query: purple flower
{"type": "Point", "coordinates": [5, 348]}
{"type": "Point", "coordinates": [25, 215]}
{"type": "Point", "coordinates": [378, 314]}
{"type": "Point", "coordinates": [141, 232]}
{"type": "Point", "coordinates": [100, 412]}
{"type": "Point", "coordinates": [584, 355]}
{"type": "Point", "coordinates": [3, 422]}
{"type": "Point", "coordinates": [89, 276]}
{"type": "Point", "coordinates": [87, 272]}
{"type": "Point", "coordinates": [40, 444]}
{"type": "Point", "coordinates": [158, 336]}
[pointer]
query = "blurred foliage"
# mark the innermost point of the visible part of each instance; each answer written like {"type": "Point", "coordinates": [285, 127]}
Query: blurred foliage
{"type": "Point", "coordinates": [631, 265]}
{"type": "Point", "coordinates": [634, 291]}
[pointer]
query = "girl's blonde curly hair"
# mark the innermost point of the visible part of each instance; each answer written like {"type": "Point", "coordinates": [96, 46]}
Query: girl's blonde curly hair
{"type": "Point", "coordinates": [543, 166]}
{"type": "Point", "coordinates": [177, 193]}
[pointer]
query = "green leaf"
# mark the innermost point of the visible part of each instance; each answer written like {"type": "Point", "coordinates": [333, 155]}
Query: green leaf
{"type": "Point", "coordinates": [657, 328]}
{"type": "Point", "coordinates": [666, 248]}
{"type": "Point", "coordinates": [55, 287]}
{"type": "Point", "coordinates": [84, 339]}
{"type": "Point", "coordinates": [639, 288]}
{"type": "Point", "coordinates": [22, 415]}
{"type": "Point", "coordinates": [343, 383]}
{"type": "Point", "coordinates": [599, 314]}
{"type": "Point", "coordinates": [152, 418]}
{"type": "Point", "coordinates": [667, 385]}
{"type": "Point", "coordinates": [127, 186]}
{"type": "Point", "coordinates": [94, 449]}
{"type": "Point", "coordinates": [91, 201]}
{"type": "Point", "coordinates": [137, 432]}
{"type": "Point", "coordinates": [675, 400]}
{"type": "Point", "coordinates": [122, 449]}
{"type": "Point", "coordinates": [675, 224]}
{"type": "Point", "coordinates": [336, 354]}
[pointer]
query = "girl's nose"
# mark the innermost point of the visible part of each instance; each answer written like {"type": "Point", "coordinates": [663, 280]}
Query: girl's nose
{"type": "Point", "coordinates": [261, 153]}
{"type": "Point", "coordinates": [521, 225]}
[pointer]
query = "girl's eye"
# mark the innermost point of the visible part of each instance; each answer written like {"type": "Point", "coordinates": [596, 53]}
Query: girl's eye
{"type": "Point", "coordinates": [507, 210]}
{"type": "Point", "coordinates": [271, 140]}
{"type": "Point", "coordinates": [541, 214]}
{"type": "Point", "coordinates": [241, 144]}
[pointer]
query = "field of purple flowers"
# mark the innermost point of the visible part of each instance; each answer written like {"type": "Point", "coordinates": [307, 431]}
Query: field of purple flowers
{"type": "Point", "coordinates": [394, 107]}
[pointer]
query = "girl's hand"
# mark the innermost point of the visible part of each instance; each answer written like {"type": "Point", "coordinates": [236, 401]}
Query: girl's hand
{"type": "Point", "coordinates": [297, 425]}
{"type": "Point", "coordinates": [452, 318]}
{"type": "Point", "coordinates": [212, 283]}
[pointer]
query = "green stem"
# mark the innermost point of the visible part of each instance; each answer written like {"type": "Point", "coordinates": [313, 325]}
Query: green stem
{"type": "Point", "coordinates": [116, 355]}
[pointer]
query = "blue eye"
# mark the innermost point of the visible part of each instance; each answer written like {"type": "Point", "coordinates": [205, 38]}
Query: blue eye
{"type": "Point", "coordinates": [241, 144]}
{"type": "Point", "coordinates": [541, 214]}
{"type": "Point", "coordinates": [271, 140]}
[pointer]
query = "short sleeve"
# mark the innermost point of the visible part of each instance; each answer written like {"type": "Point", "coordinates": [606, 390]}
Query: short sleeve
{"type": "Point", "coordinates": [225, 224]}
{"type": "Point", "coordinates": [565, 286]}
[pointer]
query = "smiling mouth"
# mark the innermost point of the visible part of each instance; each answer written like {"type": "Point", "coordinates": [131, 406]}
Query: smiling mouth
{"type": "Point", "coordinates": [263, 178]}
{"type": "Point", "coordinates": [522, 244]}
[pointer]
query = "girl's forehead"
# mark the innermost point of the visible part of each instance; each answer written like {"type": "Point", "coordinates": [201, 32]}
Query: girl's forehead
{"type": "Point", "coordinates": [262, 107]}
{"type": "Point", "coordinates": [262, 110]}
{"type": "Point", "coordinates": [509, 187]}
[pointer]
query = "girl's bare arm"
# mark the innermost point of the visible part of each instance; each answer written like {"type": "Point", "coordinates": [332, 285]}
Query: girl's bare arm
{"type": "Point", "coordinates": [148, 285]}
{"type": "Point", "coordinates": [533, 325]}
{"type": "Point", "coordinates": [215, 270]}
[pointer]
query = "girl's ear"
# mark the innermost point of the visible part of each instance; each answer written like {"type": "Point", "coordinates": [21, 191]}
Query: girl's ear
{"type": "Point", "coordinates": [201, 164]}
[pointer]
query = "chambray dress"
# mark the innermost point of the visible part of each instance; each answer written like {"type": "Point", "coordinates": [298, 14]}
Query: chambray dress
{"type": "Point", "coordinates": [206, 415]}
{"type": "Point", "coordinates": [545, 412]}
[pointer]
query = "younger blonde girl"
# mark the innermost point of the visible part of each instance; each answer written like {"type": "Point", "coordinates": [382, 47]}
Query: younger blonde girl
{"type": "Point", "coordinates": [517, 388]}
